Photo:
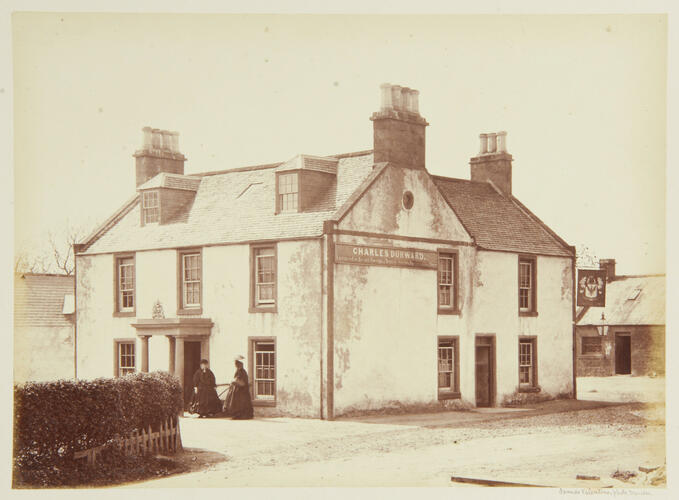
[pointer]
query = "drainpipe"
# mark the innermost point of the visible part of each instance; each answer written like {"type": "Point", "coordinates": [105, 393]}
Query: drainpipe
{"type": "Point", "coordinates": [329, 231]}
{"type": "Point", "coordinates": [320, 353]}
{"type": "Point", "coordinates": [76, 248]}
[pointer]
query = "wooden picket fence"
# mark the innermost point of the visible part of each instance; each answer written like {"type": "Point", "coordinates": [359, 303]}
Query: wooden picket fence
{"type": "Point", "coordinates": [168, 438]}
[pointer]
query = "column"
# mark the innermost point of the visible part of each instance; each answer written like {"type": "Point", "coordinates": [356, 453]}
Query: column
{"type": "Point", "coordinates": [145, 353]}
{"type": "Point", "coordinates": [179, 360]}
{"type": "Point", "coordinates": [171, 364]}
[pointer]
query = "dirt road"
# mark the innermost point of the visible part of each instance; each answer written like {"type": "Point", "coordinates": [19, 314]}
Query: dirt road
{"type": "Point", "coordinates": [546, 446]}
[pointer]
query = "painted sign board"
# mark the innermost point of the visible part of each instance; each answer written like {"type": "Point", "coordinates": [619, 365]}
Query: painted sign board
{"type": "Point", "coordinates": [385, 256]}
{"type": "Point", "coordinates": [591, 288]}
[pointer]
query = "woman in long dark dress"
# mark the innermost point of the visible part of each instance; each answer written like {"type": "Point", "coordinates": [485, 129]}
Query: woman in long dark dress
{"type": "Point", "coordinates": [204, 384]}
{"type": "Point", "coordinates": [238, 404]}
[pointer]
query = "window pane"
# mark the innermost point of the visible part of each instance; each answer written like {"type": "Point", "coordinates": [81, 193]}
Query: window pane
{"type": "Point", "coordinates": [192, 277]}
{"type": "Point", "coordinates": [150, 206]}
{"type": "Point", "coordinates": [125, 358]}
{"type": "Point", "coordinates": [591, 345]}
{"type": "Point", "coordinates": [288, 189]}
{"type": "Point", "coordinates": [526, 353]}
{"type": "Point", "coordinates": [126, 283]}
{"type": "Point", "coordinates": [446, 361]}
{"type": "Point", "coordinates": [264, 369]}
{"type": "Point", "coordinates": [446, 279]}
{"type": "Point", "coordinates": [265, 276]}
{"type": "Point", "coordinates": [445, 295]}
{"type": "Point", "coordinates": [525, 285]}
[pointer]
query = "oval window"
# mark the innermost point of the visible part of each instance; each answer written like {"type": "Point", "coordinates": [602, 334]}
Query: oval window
{"type": "Point", "coordinates": [408, 200]}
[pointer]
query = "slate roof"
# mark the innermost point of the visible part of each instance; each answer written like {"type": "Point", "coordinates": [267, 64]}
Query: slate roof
{"type": "Point", "coordinates": [499, 222]}
{"type": "Point", "coordinates": [233, 206]}
{"type": "Point", "coordinates": [39, 299]}
{"type": "Point", "coordinates": [238, 205]}
{"type": "Point", "coordinates": [647, 308]}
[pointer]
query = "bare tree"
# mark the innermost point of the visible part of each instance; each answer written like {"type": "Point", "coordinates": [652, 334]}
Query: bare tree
{"type": "Point", "coordinates": [23, 263]}
{"type": "Point", "coordinates": [62, 248]}
{"type": "Point", "coordinates": [55, 256]}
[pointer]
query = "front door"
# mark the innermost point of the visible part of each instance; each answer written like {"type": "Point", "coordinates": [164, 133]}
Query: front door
{"type": "Point", "coordinates": [191, 364]}
{"type": "Point", "coordinates": [483, 375]}
{"type": "Point", "coordinates": [623, 354]}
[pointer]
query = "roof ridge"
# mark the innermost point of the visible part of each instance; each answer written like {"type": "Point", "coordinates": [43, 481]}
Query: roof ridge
{"type": "Point", "coordinates": [364, 152]}
{"type": "Point", "coordinates": [263, 166]}
{"type": "Point", "coordinates": [173, 174]}
{"type": "Point", "coordinates": [454, 179]}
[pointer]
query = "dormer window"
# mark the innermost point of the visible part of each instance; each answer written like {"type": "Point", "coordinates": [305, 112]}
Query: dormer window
{"type": "Point", "coordinates": [150, 207]}
{"type": "Point", "coordinates": [288, 192]}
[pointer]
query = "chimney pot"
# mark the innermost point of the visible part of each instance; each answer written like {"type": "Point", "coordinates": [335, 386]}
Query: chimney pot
{"type": "Point", "coordinates": [405, 98]}
{"type": "Point", "coordinates": [492, 143]}
{"type": "Point", "coordinates": [156, 139]}
{"type": "Point", "coordinates": [414, 101]}
{"type": "Point", "coordinates": [175, 141]}
{"type": "Point", "coordinates": [484, 144]}
{"type": "Point", "coordinates": [396, 97]}
{"type": "Point", "coordinates": [146, 138]}
{"type": "Point", "coordinates": [167, 140]}
{"type": "Point", "coordinates": [502, 142]}
{"type": "Point", "coordinates": [385, 90]}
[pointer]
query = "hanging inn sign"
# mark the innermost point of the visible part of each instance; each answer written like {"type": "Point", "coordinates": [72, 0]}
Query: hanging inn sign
{"type": "Point", "coordinates": [591, 288]}
{"type": "Point", "coordinates": [385, 256]}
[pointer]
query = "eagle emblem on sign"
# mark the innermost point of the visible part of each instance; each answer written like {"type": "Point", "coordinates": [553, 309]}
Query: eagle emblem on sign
{"type": "Point", "coordinates": [591, 288]}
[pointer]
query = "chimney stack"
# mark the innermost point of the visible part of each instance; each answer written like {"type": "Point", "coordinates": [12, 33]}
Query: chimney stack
{"type": "Point", "coordinates": [159, 153]}
{"type": "Point", "coordinates": [398, 128]}
{"type": "Point", "coordinates": [608, 265]}
{"type": "Point", "coordinates": [493, 163]}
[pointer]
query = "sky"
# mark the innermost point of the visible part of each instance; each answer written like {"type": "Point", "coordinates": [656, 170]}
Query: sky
{"type": "Point", "coordinates": [582, 98]}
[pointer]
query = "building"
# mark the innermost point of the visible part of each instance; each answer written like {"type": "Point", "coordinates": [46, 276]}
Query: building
{"type": "Point", "coordinates": [628, 335]}
{"type": "Point", "coordinates": [350, 282]}
{"type": "Point", "coordinates": [44, 321]}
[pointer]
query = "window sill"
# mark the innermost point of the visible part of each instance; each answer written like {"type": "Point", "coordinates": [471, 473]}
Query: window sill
{"type": "Point", "coordinates": [529, 389]}
{"type": "Point", "coordinates": [263, 309]}
{"type": "Point", "coordinates": [528, 313]}
{"type": "Point", "coordinates": [594, 356]}
{"type": "Point", "coordinates": [263, 402]}
{"type": "Point", "coordinates": [449, 395]}
{"type": "Point", "coordinates": [448, 312]}
{"type": "Point", "coordinates": [190, 311]}
{"type": "Point", "coordinates": [124, 314]}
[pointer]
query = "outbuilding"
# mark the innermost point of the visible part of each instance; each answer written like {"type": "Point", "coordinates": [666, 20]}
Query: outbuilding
{"type": "Point", "coordinates": [44, 321]}
{"type": "Point", "coordinates": [627, 336]}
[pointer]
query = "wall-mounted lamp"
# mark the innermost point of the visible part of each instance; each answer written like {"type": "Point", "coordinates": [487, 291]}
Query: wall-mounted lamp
{"type": "Point", "coordinates": [603, 327]}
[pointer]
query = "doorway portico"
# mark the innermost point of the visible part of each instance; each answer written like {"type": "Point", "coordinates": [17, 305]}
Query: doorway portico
{"type": "Point", "coordinates": [184, 335]}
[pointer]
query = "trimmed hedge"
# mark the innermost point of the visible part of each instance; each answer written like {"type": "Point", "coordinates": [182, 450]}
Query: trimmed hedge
{"type": "Point", "coordinates": [53, 420]}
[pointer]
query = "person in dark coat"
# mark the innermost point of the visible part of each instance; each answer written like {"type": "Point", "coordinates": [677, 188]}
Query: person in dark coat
{"type": "Point", "coordinates": [205, 394]}
{"type": "Point", "coordinates": [238, 404]}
